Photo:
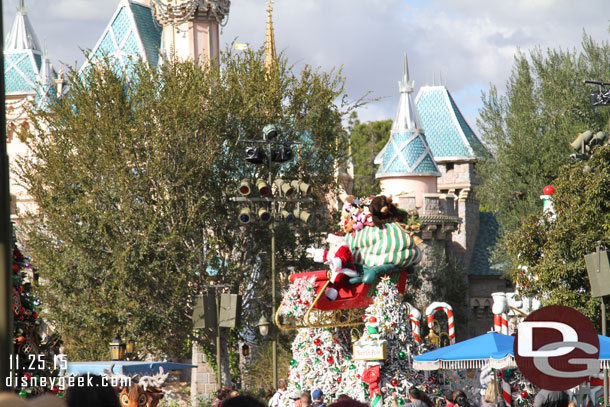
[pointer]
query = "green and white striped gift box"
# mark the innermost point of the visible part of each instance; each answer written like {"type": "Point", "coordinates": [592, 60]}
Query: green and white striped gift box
{"type": "Point", "coordinates": [373, 246]}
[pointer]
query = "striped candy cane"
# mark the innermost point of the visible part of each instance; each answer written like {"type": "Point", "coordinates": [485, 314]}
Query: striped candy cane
{"type": "Point", "coordinates": [415, 317]}
{"type": "Point", "coordinates": [500, 310]}
{"type": "Point", "coordinates": [506, 392]}
{"type": "Point", "coordinates": [442, 306]}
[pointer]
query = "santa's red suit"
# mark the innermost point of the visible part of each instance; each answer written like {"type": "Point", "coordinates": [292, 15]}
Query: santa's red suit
{"type": "Point", "coordinates": [340, 260]}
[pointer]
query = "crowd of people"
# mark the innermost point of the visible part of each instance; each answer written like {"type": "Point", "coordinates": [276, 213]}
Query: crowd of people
{"type": "Point", "coordinates": [99, 395]}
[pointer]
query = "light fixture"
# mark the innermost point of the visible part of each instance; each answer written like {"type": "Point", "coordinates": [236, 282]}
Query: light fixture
{"type": "Point", "coordinates": [255, 155]}
{"type": "Point", "coordinates": [117, 348]}
{"type": "Point", "coordinates": [263, 187]}
{"type": "Point", "coordinates": [264, 215]}
{"type": "Point", "coordinates": [245, 188]}
{"type": "Point", "coordinates": [130, 349]}
{"type": "Point", "coordinates": [245, 215]}
{"type": "Point", "coordinates": [263, 326]}
{"type": "Point", "coordinates": [286, 216]}
{"type": "Point", "coordinates": [270, 131]}
{"type": "Point", "coordinates": [302, 215]}
{"type": "Point", "coordinates": [245, 350]}
{"type": "Point", "coordinates": [281, 154]}
{"type": "Point", "coordinates": [301, 186]}
{"type": "Point", "coordinates": [284, 187]}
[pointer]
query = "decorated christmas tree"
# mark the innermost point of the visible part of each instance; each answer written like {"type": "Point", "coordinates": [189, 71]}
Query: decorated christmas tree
{"type": "Point", "coordinates": [33, 360]}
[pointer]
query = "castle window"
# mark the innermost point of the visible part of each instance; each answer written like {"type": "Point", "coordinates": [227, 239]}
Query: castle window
{"type": "Point", "coordinates": [13, 204]}
{"type": "Point", "coordinates": [449, 166]}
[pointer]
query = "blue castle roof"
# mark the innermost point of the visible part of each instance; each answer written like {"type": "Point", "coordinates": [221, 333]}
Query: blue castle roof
{"type": "Point", "coordinates": [406, 153]}
{"type": "Point", "coordinates": [448, 134]}
{"type": "Point", "coordinates": [131, 33]}
{"type": "Point", "coordinates": [27, 69]}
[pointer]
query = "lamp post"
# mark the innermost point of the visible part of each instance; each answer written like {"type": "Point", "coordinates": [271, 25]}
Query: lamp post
{"type": "Point", "coordinates": [130, 348]}
{"type": "Point", "coordinates": [117, 348]}
{"type": "Point", "coordinates": [273, 151]}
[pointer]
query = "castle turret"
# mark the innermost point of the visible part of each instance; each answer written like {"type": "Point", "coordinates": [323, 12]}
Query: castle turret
{"type": "Point", "coordinates": [191, 27]}
{"type": "Point", "coordinates": [406, 165]}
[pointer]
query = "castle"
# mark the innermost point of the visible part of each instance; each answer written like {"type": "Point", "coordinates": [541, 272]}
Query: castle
{"type": "Point", "coordinates": [428, 163]}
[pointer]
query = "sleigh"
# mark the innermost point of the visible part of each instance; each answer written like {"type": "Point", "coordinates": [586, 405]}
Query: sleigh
{"type": "Point", "coordinates": [347, 310]}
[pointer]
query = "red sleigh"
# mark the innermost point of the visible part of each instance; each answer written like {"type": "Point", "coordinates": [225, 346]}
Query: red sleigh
{"type": "Point", "coordinates": [346, 310]}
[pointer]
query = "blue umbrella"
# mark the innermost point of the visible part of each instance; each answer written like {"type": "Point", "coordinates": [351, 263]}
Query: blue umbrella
{"type": "Point", "coordinates": [492, 347]}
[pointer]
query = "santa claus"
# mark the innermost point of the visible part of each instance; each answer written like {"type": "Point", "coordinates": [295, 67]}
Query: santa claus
{"type": "Point", "coordinates": [340, 260]}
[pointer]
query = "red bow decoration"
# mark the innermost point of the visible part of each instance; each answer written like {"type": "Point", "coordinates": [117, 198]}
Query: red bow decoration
{"type": "Point", "coordinates": [372, 376]}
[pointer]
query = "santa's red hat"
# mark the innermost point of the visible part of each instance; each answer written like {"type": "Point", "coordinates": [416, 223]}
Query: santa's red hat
{"type": "Point", "coordinates": [335, 238]}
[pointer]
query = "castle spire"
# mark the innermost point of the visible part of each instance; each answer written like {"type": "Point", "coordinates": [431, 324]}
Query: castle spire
{"type": "Point", "coordinates": [406, 115]}
{"type": "Point", "coordinates": [22, 36]}
{"type": "Point", "coordinates": [270, 54]}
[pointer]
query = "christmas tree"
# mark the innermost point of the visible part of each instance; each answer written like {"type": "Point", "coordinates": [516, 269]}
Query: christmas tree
{"type": "Point", "coordinates": [33, 361]}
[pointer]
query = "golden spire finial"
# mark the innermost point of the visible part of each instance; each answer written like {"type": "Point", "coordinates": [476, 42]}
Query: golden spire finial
{"type": "Point", "coordinates": [270, 54]}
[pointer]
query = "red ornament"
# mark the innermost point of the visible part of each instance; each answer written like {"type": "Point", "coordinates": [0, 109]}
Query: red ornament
{"type": "Point", "coordinates": [298, 376]}
{"type": "Point", "coordinates": [319, 352]}
{"type": "Point", "coordinates": [393, 324]}
{"type": "Point", "coordinates": [525, 394]}
{"type": "Point", "coordinates": [427, 387]}
{"type": "Point", "coordinates": [339, 380]}
{"type": "Point", "coordinates": [548, 190]}
{"type": "Point", "coordinates": [15, 268]}
{"type": "Point", "coordinates": [27, 376]}
{"type": "Point", "coordinates": [34, 314]}
{"type": "Point", "coordinates": [21, 310]}
{"type": "Point", "coordinates": [55, 390]}
{"type": "Point", "coordinates": [394, 382]}
{"type": "Point", "coordinates": [336, 340]}
{"type": "Point", "coordinates": [432, 379]}
{"type": "Point", "coordinates": [317, 342]}
{"type": "Point", "coordinates": [21, 318]}
{"type": "Point", "coordinates": [20, 289]}
{"type": "Point", "coordinates": [306, 303]}
{"type": "Point", "coordinates": [330, 359]}
{"type": "Point", "coordinates": [372, 320]}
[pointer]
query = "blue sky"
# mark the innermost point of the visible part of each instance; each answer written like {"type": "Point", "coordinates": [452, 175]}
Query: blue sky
{"type": "Point", "coordinates": [470, 42]}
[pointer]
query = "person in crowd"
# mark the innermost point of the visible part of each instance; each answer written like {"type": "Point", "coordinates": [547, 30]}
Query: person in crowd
{"type": "Point", "coordinates": [448, 395]}
{"type": "Point", "coordinates": [278, 398]}
{"type": "Point", "coordinates": [460, 399]}
{"type": "Point", "coordinates": [96, 395]}
{"type": "Point", "coordinates": [417, 398]}
{"type": "Point", "coordinates": [345, 401]}
{"type": "Point", "coordinates": [572, 403]}
{"type": "Point", "coordinates": [547, 398]}
{"type": "Point", "coordinates": [10, 399]}
{"type": "Point", "coordinates": [317, 398]}
{"type": "Point", "coordinates": [491, 397]}
{"type": "Point", "coordinates": [242, 401]}
{"type": "Point", "coordinates": [304, 400]}
{"type": "Point", "coordinates": [221, 396]}
{"type": "Point", "coordinates": [46, 400]}
{"type": "Point", "coordinates": [233, 393]}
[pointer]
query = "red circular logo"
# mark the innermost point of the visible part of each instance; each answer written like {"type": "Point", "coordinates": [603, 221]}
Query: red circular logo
{"type": "Point", "coordinates": [557, 348]}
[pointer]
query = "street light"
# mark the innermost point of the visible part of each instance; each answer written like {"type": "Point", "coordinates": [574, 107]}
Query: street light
{"type": "Point", "coordinates": [263, 326]}
{"type": "Point", "coordinates": [245, 350]}
{"type": "Point", "coordinates": [130, 349]}
{"type": "Point", "coordinates": [117, 348]}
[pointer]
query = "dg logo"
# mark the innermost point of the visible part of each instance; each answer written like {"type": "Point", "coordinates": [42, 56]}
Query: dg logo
{"type": "Point", "coordinates": [557, 348]}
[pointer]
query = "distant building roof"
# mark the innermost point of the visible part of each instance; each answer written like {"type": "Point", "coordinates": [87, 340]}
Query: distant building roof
{"type": "Point", "coordinates": [448, 134]}
{"type": "Point", "coordinates": [480, 264]}
{"type": "Point", "coordinates": [22, 57]}
{"type": "Point", "coordinates": [131, 33]}
{"type": "Point", "coordinates": [406, 153]}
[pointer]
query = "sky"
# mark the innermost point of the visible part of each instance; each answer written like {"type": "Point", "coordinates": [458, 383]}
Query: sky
{"type": "Point", "coordinates": [469, 43]}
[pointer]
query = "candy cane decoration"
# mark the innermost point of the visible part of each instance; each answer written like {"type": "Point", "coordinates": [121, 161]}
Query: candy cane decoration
{"type": "Point", "coordinates": [442, 306]}
{"type": "Point", "coordinates": [500, 311]}
{"type": "Point", "coordinates": [415, 317]}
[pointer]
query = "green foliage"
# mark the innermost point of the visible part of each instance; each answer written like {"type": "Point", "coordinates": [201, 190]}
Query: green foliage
{"type": "Point", "coordinates": [528, 129]}
{"type": "Point", "coordinates": [553, 250]}
{"type": "Point", "coordinates": [258, 375]}
{"type": "Point", "coordinates": [133, 179]}
{"type": "Point", "coordinates": [366, 141]}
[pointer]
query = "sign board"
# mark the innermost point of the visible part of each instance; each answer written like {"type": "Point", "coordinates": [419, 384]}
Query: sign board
{"type": "Point", "coordinates": [598, 268]}
{"type": "Point", "coordinates": [204, 312]}
{"type": "Point", "coordinates": [230, 310]}
{"type": "Point", "coordinates": [370, 350]}
{"type": "Point", "coordinates": [557, 348]}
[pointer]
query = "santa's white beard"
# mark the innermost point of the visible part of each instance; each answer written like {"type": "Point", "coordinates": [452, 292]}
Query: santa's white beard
{"type": "Point", "coordinates": [332, 249]}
